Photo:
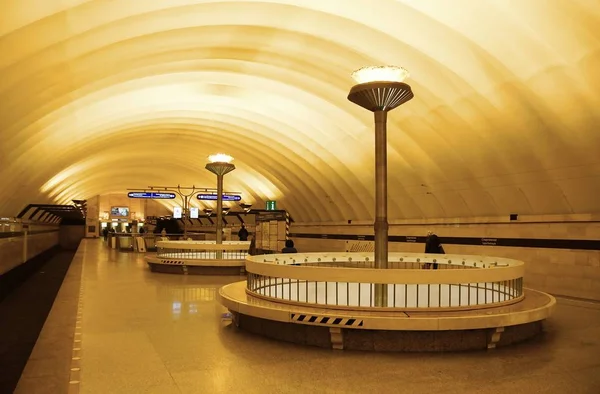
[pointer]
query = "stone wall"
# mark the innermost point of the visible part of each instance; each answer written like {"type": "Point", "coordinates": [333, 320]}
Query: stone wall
{"type": "Point", "coordinates": [22, 246]}
{"type": "Point", "coordinates": [71, 236]}
{"type": "Point", "coordinates": [562, 266]}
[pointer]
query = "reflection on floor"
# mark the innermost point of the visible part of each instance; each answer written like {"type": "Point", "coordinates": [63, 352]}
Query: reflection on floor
{"type": "Point", "coordinates": [145, 332]}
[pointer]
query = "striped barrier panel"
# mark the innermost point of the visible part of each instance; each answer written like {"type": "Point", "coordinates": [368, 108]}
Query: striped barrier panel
{"type": "Point", "coordinates": [174, 262]}
{"type": "Point", "coordinates": [326, 320]}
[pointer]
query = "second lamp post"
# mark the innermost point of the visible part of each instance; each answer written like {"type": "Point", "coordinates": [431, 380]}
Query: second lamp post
{"type": "Point", "coordinates": [220, 164]}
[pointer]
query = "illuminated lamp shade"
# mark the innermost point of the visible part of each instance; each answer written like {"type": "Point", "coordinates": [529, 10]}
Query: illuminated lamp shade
{"type": "Point", "coordinates": [380, 74]}
{"type": "Point", "coordinates": [380, 88]}
{"type": "Point", "coordinates": [220, 158]}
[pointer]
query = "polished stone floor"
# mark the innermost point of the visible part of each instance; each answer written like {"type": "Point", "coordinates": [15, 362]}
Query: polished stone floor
{"type": "Point", "coordinates": [146, 332]}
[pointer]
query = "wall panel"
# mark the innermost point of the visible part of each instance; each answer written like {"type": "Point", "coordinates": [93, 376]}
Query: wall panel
{"type": "Point", "coordinates": [559, 270]}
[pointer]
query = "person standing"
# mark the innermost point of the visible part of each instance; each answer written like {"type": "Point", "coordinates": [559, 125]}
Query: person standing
{"type": "Point", "coordinates": [243, 233]}
{"type": "Point", "coordinates": [252, 249]}
{"type": "Point", "coordinates": [289, 247]}
{"type": "Point", "coordinates": [433, 245]}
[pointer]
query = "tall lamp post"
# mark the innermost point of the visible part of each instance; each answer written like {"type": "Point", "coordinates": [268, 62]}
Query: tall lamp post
{"type": "Point", "coordinates": [220, 164]}
{"type": "Point", "coordinates": [380, 89]}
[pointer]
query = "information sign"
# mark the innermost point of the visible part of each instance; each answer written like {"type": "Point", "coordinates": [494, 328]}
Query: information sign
{"type": "Point", "coordinates": [153, 195]}
{"type": "Point", "coordinates": [213, 197]}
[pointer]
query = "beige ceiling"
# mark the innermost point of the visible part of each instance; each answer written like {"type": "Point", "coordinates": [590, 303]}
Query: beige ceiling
{"type": "Point", "coordinates": [104, 95]}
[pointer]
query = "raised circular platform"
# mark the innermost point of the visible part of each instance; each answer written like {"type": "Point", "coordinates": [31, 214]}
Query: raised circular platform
{"type": "Point", "coordinates": [199, 257]}
{"type": "Point", "coordinates": [468, 303]}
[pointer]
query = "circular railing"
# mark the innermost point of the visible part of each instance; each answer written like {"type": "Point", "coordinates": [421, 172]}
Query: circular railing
{"type": "Point", "coordinates": [347, 280]}
{"type": "Point", "coordinates": [202, 250]}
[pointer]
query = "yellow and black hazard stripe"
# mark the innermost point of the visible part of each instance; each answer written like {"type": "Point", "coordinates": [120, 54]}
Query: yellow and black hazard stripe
{"type": "Point", "coordinates": [173, 262]}
{"type": "Point", "coordinates": [327, 320]}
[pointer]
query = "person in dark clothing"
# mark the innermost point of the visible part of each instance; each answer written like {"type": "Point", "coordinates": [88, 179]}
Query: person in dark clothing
{"type": "Point", "coordinates": [433, 245]}
{"type": "Point", "coordinates": [289, 247]}
{"type": "Point", "coordinates": [243, 233]}
{"type": "Point", "coordinates": [252, 249]}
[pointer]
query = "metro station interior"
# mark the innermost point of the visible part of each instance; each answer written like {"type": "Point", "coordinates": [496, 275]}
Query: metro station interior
{"type": "Point", "coordinates": [299, 196]}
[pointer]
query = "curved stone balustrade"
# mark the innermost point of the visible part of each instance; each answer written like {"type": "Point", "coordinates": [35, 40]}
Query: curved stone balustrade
{"type": "Point", "coordinates": [327, 300]}
{"type": "Point", "coordinates": [203, 245]}
{"type": "Point", "coordinates": [202, 250]}
{"type": "Point", "coordinates": [346, 280]}
{"type": "Point", "coordinates": [199, 257]}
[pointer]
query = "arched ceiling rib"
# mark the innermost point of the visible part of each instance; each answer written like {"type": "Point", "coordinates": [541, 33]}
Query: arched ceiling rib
{"type": "Point", "coordinates": [504, 118]}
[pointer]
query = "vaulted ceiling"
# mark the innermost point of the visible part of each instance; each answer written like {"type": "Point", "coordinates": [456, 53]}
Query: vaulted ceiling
{"type": "Point", "coordinates": [97, 96]}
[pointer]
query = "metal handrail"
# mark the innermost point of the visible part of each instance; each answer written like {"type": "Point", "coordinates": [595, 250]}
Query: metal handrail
{"type": "Point", "coordinates": [347, 280]}
{"type": "Point", "coordinates": [466, 261]}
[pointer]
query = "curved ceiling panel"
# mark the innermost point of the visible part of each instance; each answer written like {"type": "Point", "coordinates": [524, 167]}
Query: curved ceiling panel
{"type": "Point", "coordinates": [101, 96]}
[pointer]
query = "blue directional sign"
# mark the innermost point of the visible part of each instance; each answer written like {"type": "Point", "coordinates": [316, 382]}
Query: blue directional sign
{"type": "Point", "coordinates": [154, 195]}
{"type": "Point", "coordinates": [213, 197]}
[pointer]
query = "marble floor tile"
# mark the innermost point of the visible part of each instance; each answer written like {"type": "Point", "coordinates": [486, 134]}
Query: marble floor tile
{"type": "Point", "coordinates": [145, 332]}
